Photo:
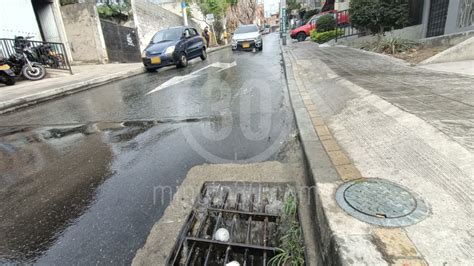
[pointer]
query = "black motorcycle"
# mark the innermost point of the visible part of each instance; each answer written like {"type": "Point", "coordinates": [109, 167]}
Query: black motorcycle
{"type": "Point", "coordinates": [47, 56]}
{"type": "Point", "coordinates": [22, 61]}
{"type": "Point", "coordinates": [6, 74]}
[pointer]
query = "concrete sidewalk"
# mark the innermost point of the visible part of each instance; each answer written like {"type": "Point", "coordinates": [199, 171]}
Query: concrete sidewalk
{"type": "Point", "coordinates": [26, 93]}
{"type": "Point", "coordinates": [364, 115]}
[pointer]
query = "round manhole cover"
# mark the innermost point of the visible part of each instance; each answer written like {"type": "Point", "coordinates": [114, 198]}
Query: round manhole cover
{"type": "Point", "coordinates": [381, 202]}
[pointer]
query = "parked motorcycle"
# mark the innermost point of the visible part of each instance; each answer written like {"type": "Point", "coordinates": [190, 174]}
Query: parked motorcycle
{"type": "Point", "coordinates": [21, 62]}
{"type": "Point", "coordinates": [6, 74]}
{"type": "Point", "coordinates": [47, 56]}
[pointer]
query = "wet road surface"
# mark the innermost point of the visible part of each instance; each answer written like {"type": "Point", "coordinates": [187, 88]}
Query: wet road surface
{"type": "Point", "coordinates": [81, 176]}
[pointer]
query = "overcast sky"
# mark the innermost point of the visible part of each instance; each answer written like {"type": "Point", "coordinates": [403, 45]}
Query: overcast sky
{"type": "Point", "coordinates": [270, 6]}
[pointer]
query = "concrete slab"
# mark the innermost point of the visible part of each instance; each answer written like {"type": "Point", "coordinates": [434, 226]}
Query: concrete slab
{"type": "Point", "coordinates": [461, 67]}
{"type": "Point", "coordinates": [459, 52]}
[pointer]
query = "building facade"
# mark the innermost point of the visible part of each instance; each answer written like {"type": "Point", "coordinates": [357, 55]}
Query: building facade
{"type": "Point", "coordinates": [441, 17]}
{"type": "Point", "coordinates": [434, 17]}
{"type": "Point", "coordinates": [39, 19]}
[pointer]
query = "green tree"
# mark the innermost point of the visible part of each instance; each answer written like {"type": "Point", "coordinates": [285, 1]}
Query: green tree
{"type": "Point", "coordinates": [121, 12]}
{"type": "Point", "coordinates": [292, 5]}
{"type": "Point", "coordinates": [216, 7]}
{"type": "Point", "coordinates": [68, 2]}
{"type": "Point", "coordinates": [379, 15]}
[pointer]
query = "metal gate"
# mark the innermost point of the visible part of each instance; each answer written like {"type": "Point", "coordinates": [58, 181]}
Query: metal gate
{"type": "Point", "coordinates": [121, 42]}
{"type": "Point", "coordinates": [344, 27]}
{"type": "Point", "coordinates": [437, 17]}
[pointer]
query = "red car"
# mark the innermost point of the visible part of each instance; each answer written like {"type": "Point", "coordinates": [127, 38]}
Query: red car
{"type": "Point", "coordinates": [303, 31]}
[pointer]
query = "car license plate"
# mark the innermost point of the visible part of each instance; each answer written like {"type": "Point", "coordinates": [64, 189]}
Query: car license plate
{"type": "Point", "coordinates": [156, 60]}
{"type": "Point", "coordinates": [246, 45]}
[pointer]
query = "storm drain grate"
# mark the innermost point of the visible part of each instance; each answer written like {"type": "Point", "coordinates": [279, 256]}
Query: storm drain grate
{"type": "Point", "coordinates": [380, 202]}
{"type": "Point", "coordinates": [232, 222]}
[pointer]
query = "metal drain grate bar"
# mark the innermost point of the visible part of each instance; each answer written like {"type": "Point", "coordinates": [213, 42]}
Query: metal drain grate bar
{"type": "Point", "coordinates": [248, 213]}
{"type": "Point", "coordinates": [256, 216]}
{"type": "Point", "coordinates": [249, 227]}
{"type": "Point", "coordinates": [253, 249]}
{"type": "Point", "coordinates": [216, 226]}
{"type": "Point", "coordinates": [264, 240]}
{"type": "Point", "coordinates": [232, 227]}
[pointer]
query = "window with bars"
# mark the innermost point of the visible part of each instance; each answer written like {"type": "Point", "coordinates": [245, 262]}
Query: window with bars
{"type": "Point", "coordinates": [437, 17]}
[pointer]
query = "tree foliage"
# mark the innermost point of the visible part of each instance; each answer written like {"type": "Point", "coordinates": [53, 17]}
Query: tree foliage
{"type": "Point", "coordinates": [117, 12]}
{"type": "Point", "coordinates": [379, 15]}
{"type": "Point", "coordinates": [326, 23]}
{"type": "Point", "coordinates": [308, 14]}
{"type": "Point", "coordinates": [68, 2]}
{"type": "Point", "coordinates": [216, 7]}
{"type": "Point", "coordinates": [292, 5]}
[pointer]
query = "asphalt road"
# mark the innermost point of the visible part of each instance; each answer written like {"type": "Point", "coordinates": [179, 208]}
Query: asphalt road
{"type": "Point", "coordinates": [81, 176]}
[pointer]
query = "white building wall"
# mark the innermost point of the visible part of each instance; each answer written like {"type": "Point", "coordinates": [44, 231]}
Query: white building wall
{"type": "Point", "coordinates": [175, 7]}
{"type": "Point", "coordinates": [48, 23]}
{"type": "Point", "coordinates": [17, 18]}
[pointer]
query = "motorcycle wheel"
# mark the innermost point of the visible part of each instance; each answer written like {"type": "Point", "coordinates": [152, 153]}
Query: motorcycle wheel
{"type": "Point", "coordinates": [36, 73]}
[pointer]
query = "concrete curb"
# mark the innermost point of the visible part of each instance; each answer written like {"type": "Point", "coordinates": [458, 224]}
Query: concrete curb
{"type": "Point", "coordinates": [215, 49]}
{"type": "Point", "coordinates": [340, 236]}
{"type": "Point", "coordinates": [25, 101]}
{"type": "Point", "coordinates": [318, 162]}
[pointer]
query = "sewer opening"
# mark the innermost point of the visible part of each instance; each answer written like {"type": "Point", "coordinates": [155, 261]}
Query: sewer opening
{"type": "Point", "coordinates": [238, 223]}
{"type": "Point", "coordinates": [381, 202]}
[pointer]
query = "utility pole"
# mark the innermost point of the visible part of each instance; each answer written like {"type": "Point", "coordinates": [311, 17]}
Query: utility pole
{"type": "Point", "coordinates": [185, 14]}
{"type": "Point", "coordinates": [283, 21]}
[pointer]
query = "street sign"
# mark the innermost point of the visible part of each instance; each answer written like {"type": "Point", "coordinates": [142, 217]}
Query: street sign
{"type": "Point", "coordinates": [210, 18]}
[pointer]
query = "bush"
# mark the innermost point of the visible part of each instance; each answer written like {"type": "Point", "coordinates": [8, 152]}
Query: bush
{"type": "Point", "coordinates": [322, 37]}
{"type": "Point", "coordinates": [379, 15]}
{"type": "Point", "coordinates": [68, 2]}
{"type": "Point", "coordinates": [119, 13]}
{"type": "Point", "coordinates": [391, 45]}
{"type": "Point", "coordinates": [326, 23]}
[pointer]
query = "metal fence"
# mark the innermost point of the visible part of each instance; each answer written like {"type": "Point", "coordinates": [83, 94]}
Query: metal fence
{"type": "Point", "coordinates": [344, 26]}
{"type": "Point", "coordinates": [50, 54]}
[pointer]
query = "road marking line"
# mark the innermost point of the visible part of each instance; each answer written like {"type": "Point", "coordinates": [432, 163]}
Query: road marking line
{"type": "Point", "coordinates": [178, 79]}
